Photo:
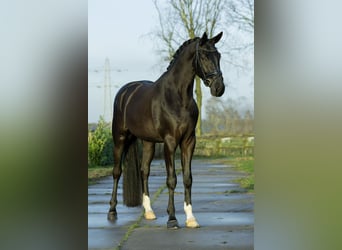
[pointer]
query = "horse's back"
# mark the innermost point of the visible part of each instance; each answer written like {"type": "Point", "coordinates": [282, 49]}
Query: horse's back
{"type": "Point", "coordinates": [132, 109]}
{"type": "Point", "coordinates": [126, 92]}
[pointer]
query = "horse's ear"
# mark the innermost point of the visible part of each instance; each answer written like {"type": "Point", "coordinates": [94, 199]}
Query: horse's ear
{"type": "Point", "coordinates": [217, 38]}
{"type": "Point", "coordinates": [204, 38]}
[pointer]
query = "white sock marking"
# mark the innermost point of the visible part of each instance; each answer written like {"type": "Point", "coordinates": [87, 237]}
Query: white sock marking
{"type": "Point", "coordinates": [188, 211]}
{"type": "Point", "coordinates": [146, 203]}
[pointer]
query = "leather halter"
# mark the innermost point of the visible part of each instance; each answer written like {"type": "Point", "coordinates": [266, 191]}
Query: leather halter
{"type": "Point", "coordinates": [205, 76]}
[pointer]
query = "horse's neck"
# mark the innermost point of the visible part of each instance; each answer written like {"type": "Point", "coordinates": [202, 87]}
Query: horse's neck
{"type": "Point", "coordinates": [180, 77]}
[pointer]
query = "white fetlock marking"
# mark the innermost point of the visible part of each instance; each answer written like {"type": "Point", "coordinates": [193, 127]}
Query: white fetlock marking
{"type": "Point", "coordinates": [146, 203]}
{"type": "Point", "coordinates": [190, 218]}
{"type": "Point", "coordinates": [149, 214]}
{"type": "Point", "coordinates": [188, 211]}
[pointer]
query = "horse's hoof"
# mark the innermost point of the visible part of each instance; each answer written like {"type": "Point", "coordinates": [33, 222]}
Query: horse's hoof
{"type": "Point", "coordinates": [149, 215]}
{"type": "Point", "coordinates": [172, 224]}
{"type": "Point", "coordinates": [191, 223]}
{"type": "Point", "coordinates": [112, 216]}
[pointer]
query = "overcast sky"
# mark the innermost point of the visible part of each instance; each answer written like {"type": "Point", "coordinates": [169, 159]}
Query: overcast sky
{"type": "Point", "coordinates": [118, 30]}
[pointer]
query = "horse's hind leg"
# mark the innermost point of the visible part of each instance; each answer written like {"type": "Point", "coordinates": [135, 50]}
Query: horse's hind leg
{"type": "Point", "coordinates": [118, 150]}
{"type": "Point", "coordinates": [148, 153]}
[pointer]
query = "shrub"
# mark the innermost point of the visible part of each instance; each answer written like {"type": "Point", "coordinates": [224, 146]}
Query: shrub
{"type": "Point", "coordinates": [107, 152]}
{"type": "Point", "coordinates": [100, 145]}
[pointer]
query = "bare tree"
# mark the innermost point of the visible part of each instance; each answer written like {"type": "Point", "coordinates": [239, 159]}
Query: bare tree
{"type": "Point", "coordinates": [223, 118]}
{"type": "Point", "coordinates": [214, 115]}
{"type": "Point", "coordinates": [241, 14]}
{"type": "Point", "coordinates": [240, 21]}
{"type": "Point", "coordinates": [181, 20]}
{"type": "Point", "coordinates": [248, 123]}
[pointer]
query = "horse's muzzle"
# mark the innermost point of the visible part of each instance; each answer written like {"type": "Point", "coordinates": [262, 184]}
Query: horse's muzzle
{"type": "Point", "coordinates": [217, 87]}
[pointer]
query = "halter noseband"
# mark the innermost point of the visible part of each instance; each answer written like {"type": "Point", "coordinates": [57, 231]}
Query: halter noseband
{"type": "Point", "coordinates": [205, 76]}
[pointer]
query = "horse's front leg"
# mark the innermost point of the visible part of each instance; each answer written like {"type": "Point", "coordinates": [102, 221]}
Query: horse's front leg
{"type": "Point", "coordinates": [187, 149]}
{"type": "Point", "coordinates": [148, 153]}
{"type": "Point", "coordinates": [171, 182]}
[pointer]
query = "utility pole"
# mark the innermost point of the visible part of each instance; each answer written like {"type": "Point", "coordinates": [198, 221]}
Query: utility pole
{"type": "Point", "coordinates": [107, 103]}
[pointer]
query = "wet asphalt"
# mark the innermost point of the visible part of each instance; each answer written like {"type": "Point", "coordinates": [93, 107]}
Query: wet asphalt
{"type": "Point", "coordinates": [223, 210]}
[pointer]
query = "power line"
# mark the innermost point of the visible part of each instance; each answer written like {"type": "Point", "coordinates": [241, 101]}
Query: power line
{"type": "Point", "coordinates": [101, 85]}
{"type": "Point", "coordinates": [100, 70]}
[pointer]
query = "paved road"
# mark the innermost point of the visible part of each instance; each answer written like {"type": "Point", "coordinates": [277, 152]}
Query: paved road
{"type": "Point", "coordinates": [223, 210]}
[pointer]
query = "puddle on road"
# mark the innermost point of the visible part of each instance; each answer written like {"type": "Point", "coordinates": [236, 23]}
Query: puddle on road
{"type": "Point", "coordinates": [208, 219]}
{"type": "Point", "coordinates": [234, 219]}
{"type": "Point", "coordinates": [219, 166]}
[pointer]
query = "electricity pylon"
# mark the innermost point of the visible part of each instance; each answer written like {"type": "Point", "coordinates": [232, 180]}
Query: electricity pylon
{"type": "Point", "coordinates": [107, 103]}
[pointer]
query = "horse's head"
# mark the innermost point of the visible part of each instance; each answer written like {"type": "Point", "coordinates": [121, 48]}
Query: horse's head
{"type": "Point", "coordinates": [207, 64]}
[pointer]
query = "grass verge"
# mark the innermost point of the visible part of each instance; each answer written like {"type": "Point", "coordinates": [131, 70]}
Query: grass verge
{"type": "Point", "coordinates": [95, 173]}
{"type": "Point", "coordinates": [246, 165]}
{"type": "Point", "coordinates": [243, 164]}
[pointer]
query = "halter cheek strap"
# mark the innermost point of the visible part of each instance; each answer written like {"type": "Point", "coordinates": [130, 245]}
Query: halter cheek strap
{"type": "Point", "coordinates": [205, 76]}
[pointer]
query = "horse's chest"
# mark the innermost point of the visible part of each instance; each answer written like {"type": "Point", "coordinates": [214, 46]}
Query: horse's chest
{"type": "Point", "coordinates": [177, 124]}
{"type": "Point", "coordinates": [173, 118]}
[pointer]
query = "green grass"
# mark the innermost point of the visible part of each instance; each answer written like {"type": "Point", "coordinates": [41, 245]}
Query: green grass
{"type": "Point", "coordinates": [243, 164]}
{"type": "Point", "coordinates": [246, 165]}
{"type": "Point", "coordinates": [94, 173]}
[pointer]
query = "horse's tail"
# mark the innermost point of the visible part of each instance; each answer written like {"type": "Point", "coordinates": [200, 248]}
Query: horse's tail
{"type": "Point", "coordinates": [132, 183]}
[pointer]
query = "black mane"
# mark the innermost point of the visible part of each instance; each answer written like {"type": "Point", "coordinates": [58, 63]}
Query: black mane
{"type": "Point", "coordinates": [179, 50]}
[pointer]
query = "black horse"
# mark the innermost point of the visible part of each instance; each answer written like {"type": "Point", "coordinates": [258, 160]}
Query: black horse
{"type": "Point", "coordinates": [163, 111]}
